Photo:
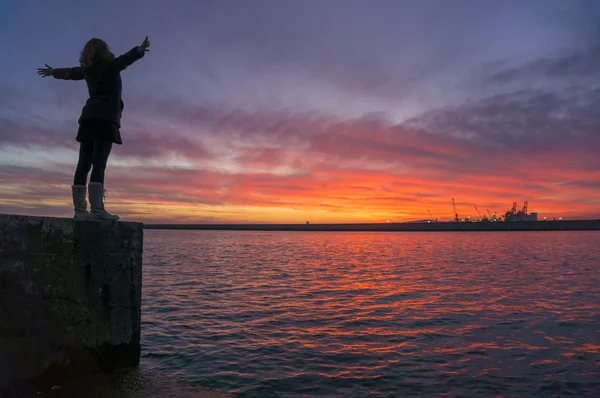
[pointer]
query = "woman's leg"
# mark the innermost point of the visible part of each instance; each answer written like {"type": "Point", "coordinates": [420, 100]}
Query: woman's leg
{"type": "Point", "coordinates": [99, 160]}
{"type": "Point", "coordinates": [86, 152]}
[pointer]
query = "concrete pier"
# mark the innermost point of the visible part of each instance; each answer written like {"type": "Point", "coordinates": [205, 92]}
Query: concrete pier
{"type": "Point", "coordinates": [70, 297]}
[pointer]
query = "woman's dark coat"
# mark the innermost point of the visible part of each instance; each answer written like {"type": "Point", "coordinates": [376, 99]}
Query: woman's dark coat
{"type": "Point", "coordinates": [103, 110]}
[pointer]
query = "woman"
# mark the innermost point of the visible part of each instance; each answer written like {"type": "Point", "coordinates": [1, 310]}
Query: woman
{"type": "Point", "coordinates": [100, 119]}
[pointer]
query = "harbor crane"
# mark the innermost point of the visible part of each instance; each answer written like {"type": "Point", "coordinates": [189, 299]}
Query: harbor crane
{"type": "Point", "coordinates": [430, 215]}
{"type": "Point", "coordinates": [455, 213]}
{"type": "Point", "coordinates": [478, 212]}
{"type": "Point", "coordinates": [520, 215]}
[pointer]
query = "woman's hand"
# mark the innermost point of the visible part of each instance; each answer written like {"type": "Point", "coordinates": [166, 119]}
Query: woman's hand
{"type": "Point", "coordinates": [143, 47]}
{"type": "Point", "coordinates": [47, 71]}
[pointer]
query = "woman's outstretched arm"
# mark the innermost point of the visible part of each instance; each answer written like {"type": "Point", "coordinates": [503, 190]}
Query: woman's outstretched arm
{"type": "Point", "coordinates": [75, 73]}
{"type": "Point", "coordinates": [123, 61]}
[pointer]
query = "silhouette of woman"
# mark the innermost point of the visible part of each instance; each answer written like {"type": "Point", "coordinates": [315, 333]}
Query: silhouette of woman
{"type": "Point", "coordinates": [100, 119]}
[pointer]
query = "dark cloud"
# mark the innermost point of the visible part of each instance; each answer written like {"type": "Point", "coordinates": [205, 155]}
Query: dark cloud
{"type": "Point", "coordinates": [529, 120]}
{"type": "Point", "coordinates": [572, 67]}
{"type": "Point", "coordinates": [138, 143]}
{"type": "Point", "coordinates": [477, 137]}
{"type": "Point", "coordinates": [593, 185]}
{"type": "Point", "coordinates": [25, 134]}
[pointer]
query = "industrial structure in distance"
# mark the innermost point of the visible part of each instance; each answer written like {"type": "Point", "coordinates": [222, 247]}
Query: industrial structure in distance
{"type": "Point", "coordinates": [511, 215]}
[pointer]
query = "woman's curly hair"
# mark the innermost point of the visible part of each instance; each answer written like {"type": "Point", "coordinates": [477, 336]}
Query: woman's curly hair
{"type": "Point", "coordinates": [96, 51]}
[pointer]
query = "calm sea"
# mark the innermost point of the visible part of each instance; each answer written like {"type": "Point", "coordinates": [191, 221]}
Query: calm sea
{"type": "Point", "coordinates": [308, 314]}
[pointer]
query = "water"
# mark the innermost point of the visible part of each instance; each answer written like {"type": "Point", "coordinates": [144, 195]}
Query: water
{"type": "Point", "coordinates": [293, 314]}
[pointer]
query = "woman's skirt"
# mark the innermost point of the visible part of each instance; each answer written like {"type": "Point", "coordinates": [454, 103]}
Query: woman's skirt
{"type": "Point", "coordinates": [99, 130]}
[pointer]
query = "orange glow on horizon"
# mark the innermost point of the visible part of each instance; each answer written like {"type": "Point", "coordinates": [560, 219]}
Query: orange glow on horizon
{"type": "Point", "coordinates": [346, 174]}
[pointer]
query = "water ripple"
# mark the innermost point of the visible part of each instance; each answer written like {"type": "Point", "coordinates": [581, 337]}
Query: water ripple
{"type": "Point", "coordinates": [278, 314]}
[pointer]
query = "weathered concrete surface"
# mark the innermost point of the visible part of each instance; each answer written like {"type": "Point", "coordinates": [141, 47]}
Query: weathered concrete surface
{"type": "Point", "coordinates": [70, 297]}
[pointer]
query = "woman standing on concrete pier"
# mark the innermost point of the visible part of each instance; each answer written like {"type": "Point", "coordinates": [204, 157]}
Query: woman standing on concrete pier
{"type": "Point", "coordinates": [100, 119]}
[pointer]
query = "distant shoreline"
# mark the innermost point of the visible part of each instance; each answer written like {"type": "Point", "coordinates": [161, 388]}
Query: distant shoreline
{"type": "Point", "coordinates": [560, 225]}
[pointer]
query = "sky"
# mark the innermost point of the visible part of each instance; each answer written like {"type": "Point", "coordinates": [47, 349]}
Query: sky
{"type": "Point", "coordinates": [276, 111]}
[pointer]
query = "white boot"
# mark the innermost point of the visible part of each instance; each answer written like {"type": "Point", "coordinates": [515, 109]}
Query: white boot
{"type": "Point", "coordinates": [79, 202]}
{"type": "Point", "coordinates": [96, 196]}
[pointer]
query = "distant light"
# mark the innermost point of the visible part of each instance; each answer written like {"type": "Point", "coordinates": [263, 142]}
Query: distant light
{"type": "Point", "coordinates": [388, 221]}
{"type": "Point", "coordinates": [560, 218]}
{"type": "Point", "coordinates": [428, 221]}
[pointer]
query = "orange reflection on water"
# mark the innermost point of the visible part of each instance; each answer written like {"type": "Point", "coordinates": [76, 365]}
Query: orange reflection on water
{"type": "Point", "coordinates": [370, 306]}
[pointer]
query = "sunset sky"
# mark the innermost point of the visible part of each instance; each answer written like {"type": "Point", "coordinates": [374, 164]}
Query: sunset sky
{"type": "Point", "coordinates": [329, 111]}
